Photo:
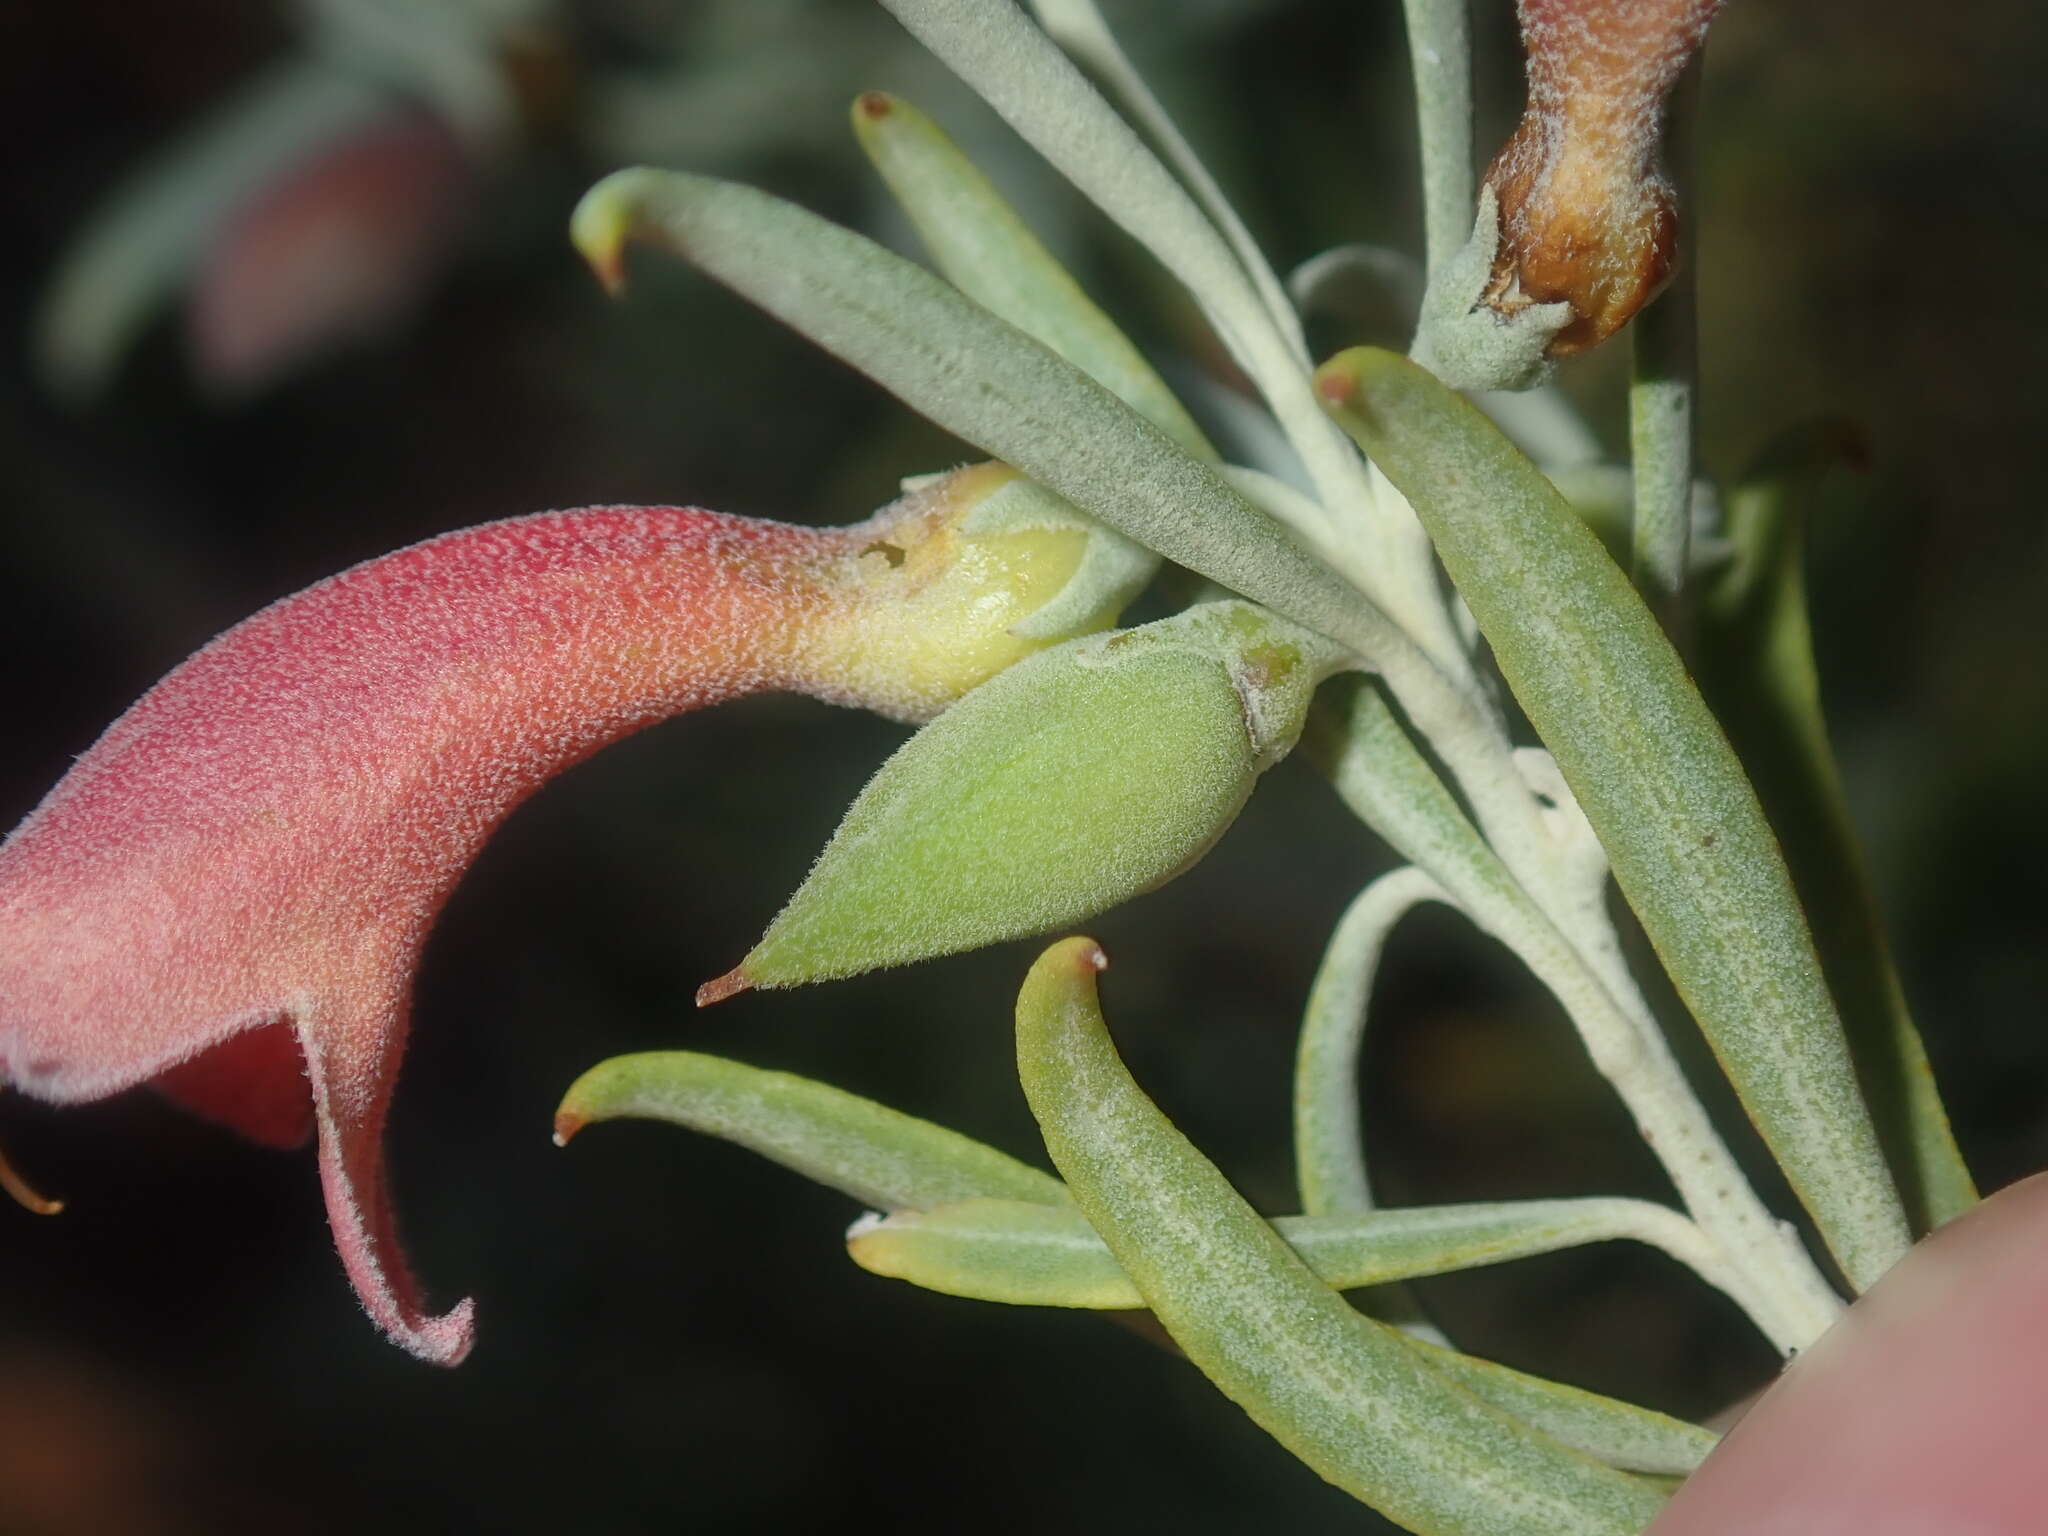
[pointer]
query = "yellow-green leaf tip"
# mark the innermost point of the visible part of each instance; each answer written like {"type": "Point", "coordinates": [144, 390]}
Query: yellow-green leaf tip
{"type": "Point", "coordinates": [1341, 382]}
{"type": "Point", "coordinates": [602, 225]}
{"type": "Point", "coordinates": [1072, 962]}
{"type": "Point", "coordinates": [871, 107]}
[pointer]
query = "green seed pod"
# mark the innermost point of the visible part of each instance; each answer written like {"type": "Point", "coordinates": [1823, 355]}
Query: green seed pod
{"type": "Point", "coordinates": [1076, 779]}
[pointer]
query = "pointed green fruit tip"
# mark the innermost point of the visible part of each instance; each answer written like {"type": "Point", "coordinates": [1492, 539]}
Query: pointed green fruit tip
{"type": "Point", "coordinates": [1072, 781]}
{"type": "Point", "coordinates": [567, 1124]}
{"type": "Point", "coordinates": [872, 107]}
{"type": "Point", "coordinates": [719, 988]}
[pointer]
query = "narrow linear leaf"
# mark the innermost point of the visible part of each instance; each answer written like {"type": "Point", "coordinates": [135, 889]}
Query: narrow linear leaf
{"type": "Point", "coordinates": [1012, 64]}
{"type": "Point", "coordinates": [1329, 1138]}
{"type": "Point", "coordinates": [1329, 1142]}
{"type": "Point", "coordinates": [1621, 1434]}
{"type": "Point", "coordinates": [880, 1156]}
{"type": "Point", "coordinates": [1007, 1251]}
{"type": "Point", "coordinates": [1017, 69]}
{"type": "Point", "coordinates": [979, 378]}
{"type": "Point", "coordinates": [1079, 27]}
{"type": "Point", "coordinates": [1755, 658]}
{"type": "Point", "coordinates": [1654, 774]}
{"type": "Point", "coordinates": [1027, 1254]}
{"type": "Point", "coordinates": [986, 251]}
{"type": "Point", "coordinates": [1347, 1395]}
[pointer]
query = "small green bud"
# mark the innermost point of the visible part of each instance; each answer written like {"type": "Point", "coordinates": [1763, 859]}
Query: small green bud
{"type": "Point", "coordinates": [1078, 778]}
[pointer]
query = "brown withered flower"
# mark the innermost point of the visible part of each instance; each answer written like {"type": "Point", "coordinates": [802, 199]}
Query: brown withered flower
{"type": "Point", "coordinates": [1578, 224]}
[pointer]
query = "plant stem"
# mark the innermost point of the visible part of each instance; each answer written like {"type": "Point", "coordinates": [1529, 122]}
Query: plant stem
{"type": "Point", "coordinates": [1548, 909]}
{"type": "Point", "coordinates": [1661, 431]}
{"type": "Point", "coordinates": [1440, 49]}
{"type": "Point", "coordinates": [1661, 408]}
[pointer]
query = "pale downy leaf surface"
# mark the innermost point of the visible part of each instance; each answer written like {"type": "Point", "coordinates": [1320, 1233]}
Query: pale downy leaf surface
{"type": "Point", "coordinates": [986, 251]}
{"type": "Point", "coordinates": [979, 378]}
{"type": "Point", "coordinates": [1650, 767]}
{"type": "Point", "coordinates": [1347, 1395]}
{"type": "Point", "coordinates": [1023, 1254]}
{"type": "Point", "coordinates": [1756, 646]}
{"type": "Point", "coordinates": [880, 1156]}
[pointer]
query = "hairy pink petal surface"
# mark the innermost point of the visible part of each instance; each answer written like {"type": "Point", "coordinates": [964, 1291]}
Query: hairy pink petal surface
{"type": "Point", "coordinates": [238, 877]}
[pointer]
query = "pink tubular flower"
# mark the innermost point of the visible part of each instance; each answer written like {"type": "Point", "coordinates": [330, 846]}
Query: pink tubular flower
{"type": "Point", "coordinates": [227, 896]}
{"type": "Point", "coordinates": [332, 250]}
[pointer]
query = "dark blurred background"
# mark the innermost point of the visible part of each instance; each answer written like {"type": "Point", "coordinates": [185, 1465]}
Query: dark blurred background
{"type": "Point", "coordinates": [671, 1337]}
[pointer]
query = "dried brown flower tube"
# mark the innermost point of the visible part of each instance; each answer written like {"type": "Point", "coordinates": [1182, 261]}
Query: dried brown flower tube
{"type": "Point", "coordinates": [1586, 215]}
{"type": "Point", "coordinates": [1578, 225]}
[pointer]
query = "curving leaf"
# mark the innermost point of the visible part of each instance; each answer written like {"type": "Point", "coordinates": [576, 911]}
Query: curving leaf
{"type": "Point", "coordinates": [986, 251]}
{"type": "Point", "coordinates": [1755, 657]}
{"type": "Point", "coordinates": [1329, 1143]}
{"type": "Point", "coordinates": [1654, 774]}
{"type": "Point", "coordinates": [880, 1156]}
{"type": "Point", "coordinates": [1621, 1434]}
{"type": "Point", "coordinates": [1350, 1397]}
{"type": "Point", "coordinates": [1025, 1254]}
{"type": "Point", "coordinates": [979, 378]}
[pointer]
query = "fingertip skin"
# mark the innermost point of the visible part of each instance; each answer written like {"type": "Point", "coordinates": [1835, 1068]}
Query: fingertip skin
{"type": "Point", "coordinates": [1919, 1414]}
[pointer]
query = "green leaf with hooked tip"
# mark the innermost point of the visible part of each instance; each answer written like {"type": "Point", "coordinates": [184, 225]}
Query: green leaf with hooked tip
{"type": "Point", "coordinates": [1072, 781]}
{"type": "Point", "coordinates": [978, 377]}
{"type": "Point", "coordinates": [1651, 769]}
{"type": "Point", "coordinates": [880, 1156]}
{"type": "Point", "coordinates": [1755, 659]}
{"type": "Point", "coordinates": [986, 251]}
{"type": "Point", "coordinates": [895, 1162]}
{"type": "Point", "coordinates": [1026, 1254]}
{"type": "Point", "coordinates": [1349, 1396]}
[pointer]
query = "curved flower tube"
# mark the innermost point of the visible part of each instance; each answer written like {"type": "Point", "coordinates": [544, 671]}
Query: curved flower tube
{"type": "Point", "coordinates": [227, 896]}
